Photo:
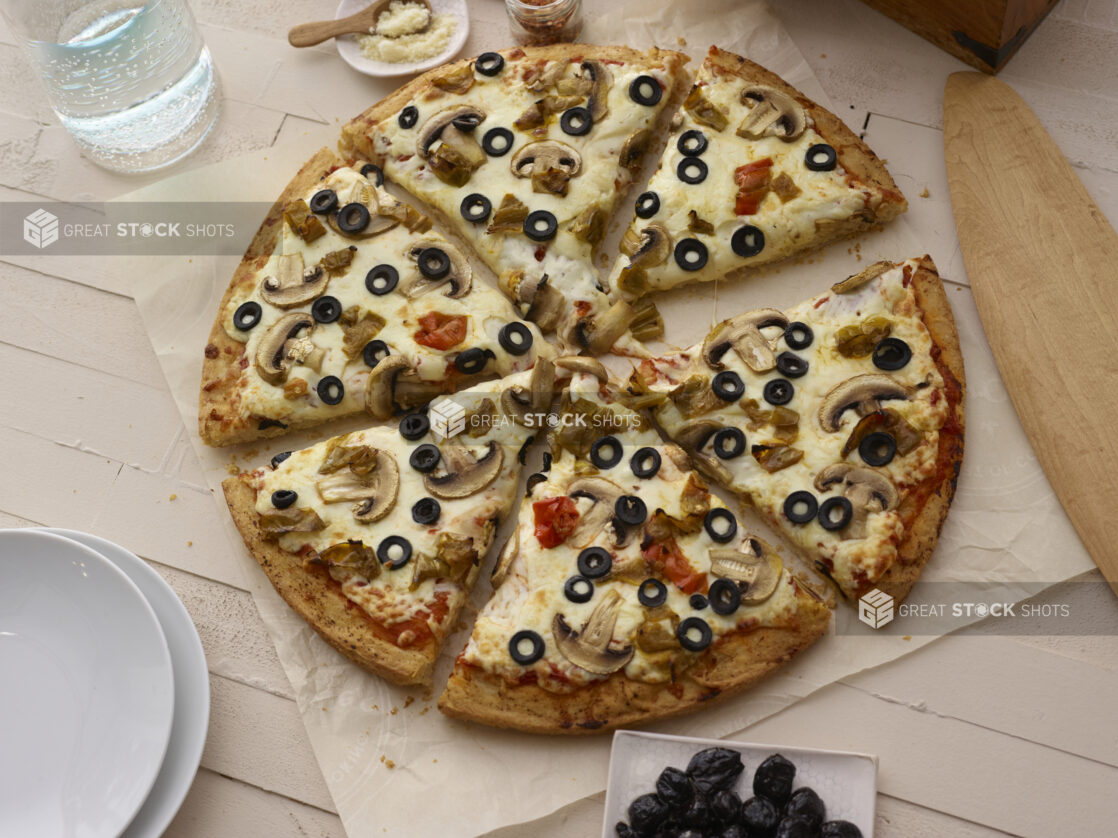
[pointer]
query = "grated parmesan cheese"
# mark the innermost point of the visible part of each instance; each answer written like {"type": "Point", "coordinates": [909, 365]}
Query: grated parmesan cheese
{"type": "Point", "coordinates": [401, 37]}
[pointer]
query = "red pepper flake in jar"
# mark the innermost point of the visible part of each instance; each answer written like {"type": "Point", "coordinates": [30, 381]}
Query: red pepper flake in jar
{"type": "Point", "coordinates": [540, 22]}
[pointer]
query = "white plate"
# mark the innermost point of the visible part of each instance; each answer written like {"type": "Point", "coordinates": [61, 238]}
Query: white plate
{"type": "Point", "coordinates": [350, 50]}
{"type": "Point", "coordinates": [88, 696]}
{"type": "Point", "coordinates": [846, 781]}
{"type": "Point", "coordinates": [192, 688]}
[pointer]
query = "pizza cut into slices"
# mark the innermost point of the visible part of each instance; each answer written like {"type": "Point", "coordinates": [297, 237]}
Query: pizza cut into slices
{"type": "Point", "coordinates": [755, 172]}
{"type": "Point", "coordinates": [628, 592]}
{"type": "Point", "coordinates": [348, 301]}
{"type": "Point", "coordinates": [840, 420]}
{"type": "Point", "coordinates": [376, 537]}
{"type": "Point", "coordinates": [525, 154]}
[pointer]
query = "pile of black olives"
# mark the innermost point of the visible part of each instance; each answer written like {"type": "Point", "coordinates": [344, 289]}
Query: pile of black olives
{"type": "Point", "coordinates": [701, 803]}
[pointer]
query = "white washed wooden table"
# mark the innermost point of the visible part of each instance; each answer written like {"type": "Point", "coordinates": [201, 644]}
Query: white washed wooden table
{"type": "Point", "coordinates": [978, 736]}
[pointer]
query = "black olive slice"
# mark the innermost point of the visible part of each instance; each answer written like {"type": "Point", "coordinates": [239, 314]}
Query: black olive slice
{"type": "Point", "coordinates": [330, 389]}
{"type": "Point", "coordinates": [800, 507]}
{"type": "Point", "coordinates": [515, 338]}
{"type": "Point", "coordinates": [645, 90]}
{"type": "Point", "coordinates": [721, 525]}
{"type": "Point", "coordinates": [323, 201]}
{"type": "Point", "coordinates": [471, 361]}
{"type": "Point", "coordinates": [283, 498]}
{"type": "Point", "coordinates": [426, 510]}
{"type": "Point", "coordinates": [546, 466]}
{"type": "Point", "coordinates": [747, 241]}
{"type": "Point", "coordinates": [728, 386]}
{"type": "Point", "coordinates": [433, 262]}
{"type": "Point", "coordinates": [724, 596]}
{"type": "Point", "coordinates": [576, 121]}
{"type": "Point", "coordinates": [540, 226]}
{"type": "Point", "coordinates": [698, 602]}
{"type": "Point", "coordinates": [326, 309]}
{"type": "Point", "coordinates": [425, 457]}
{"type": "Point", "coordinates": [394, 552]}
{"type": "Point", "coordinates": [645, 463]}
{"type": "Point", "coordinates": [381, 280]}
{"type": "Point", "coordinates": [489, 63]}
{"type": "Point", "coordinates": [497, 142]}
{"type": "Point", "coordinates": [531, 640]}
{"type": "Point", "coordinates": [820, 158]}
{"type": "Point", "coordinates": [414, 425]}
{"type": "Point", "coordinates": [247, 315]}
{"type": "Point", "coordinates": [606, 452]}
{"type": "Point", "coordinates": [476, 208]}
{"type": "Point", "coordinates": [373, 169]}
{"type": "Point", "coordinates": [792, 366]}
{"type": "Point", "coordinates": [648, 204]}
{"type": "Point", "coordinates": [692, 143]}
{"type": "Point", "coordinates": [353, 218]}
{"type": "Point", "coordinates": [877, 449]}
{"type": "Point", "coordinates": [694, 634]}
{"type": "Point", "coordinates": [835, 513]}
{"type": "Point", "coordinates": [691, 170]}
{"type": "Point", "coordinates": [798, 335]}
{"type": "Point", "coordinates": [467, 122]}
{"type": "Point", "coordinates": [279, 458]}
{"type": "Point", "coordinates": [691, 254]}
{"type": "Point", "coordinates": [652, 593]}
{"type": "Point", "coordinates": [408, 116]}
{"type": "Point", "coordinates": [729, 443]}
{"type": "Point", "coordinates": [374, 352]}
{"type": "Point", "coordinates": [779, 391]}
{"type": "Point", "coordinates": [891, 354]}
{"type": "Point", "coordinates": [630, 510]}
{"type": "Point", "coordinates": [578, 589]}
{"type": "Point", "coordinates": [594, 562]}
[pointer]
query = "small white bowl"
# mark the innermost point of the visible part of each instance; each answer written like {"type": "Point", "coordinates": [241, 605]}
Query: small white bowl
{"type": "Point", "coordinates": [350, 50]}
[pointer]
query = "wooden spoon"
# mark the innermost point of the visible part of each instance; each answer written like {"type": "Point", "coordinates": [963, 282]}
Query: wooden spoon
{"type": "Point", "coordinates": [364, 23]}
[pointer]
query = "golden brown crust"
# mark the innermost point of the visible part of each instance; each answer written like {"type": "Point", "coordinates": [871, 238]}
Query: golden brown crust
{"type": "Point", "coordinates": [725, 670]}
{"type": "Point", "coordinates": [318, 599]}
{"type": "Point", "coordinates": [219, 422]}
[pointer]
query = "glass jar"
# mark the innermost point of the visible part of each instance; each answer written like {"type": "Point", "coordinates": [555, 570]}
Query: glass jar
{"type": "Point", "coordinates": [537, 22]}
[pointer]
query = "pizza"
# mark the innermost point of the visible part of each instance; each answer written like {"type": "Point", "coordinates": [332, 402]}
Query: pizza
{"type": "Point", "coordinates": [628, 592]}
{"type": "Point", "coordinates": [348, 301]}
{"type": "Point", "coordinates": [840, 420]}
{"type": "Point", "coordinates": [754, 173]}
{"type": "Point", "coordinates": [375, 537]}
{"type": "Point", "coordinates": [525, 153]}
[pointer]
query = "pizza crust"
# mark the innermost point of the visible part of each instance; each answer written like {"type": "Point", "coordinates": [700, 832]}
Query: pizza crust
{"type": "Point", "coordinates": [725, 670]}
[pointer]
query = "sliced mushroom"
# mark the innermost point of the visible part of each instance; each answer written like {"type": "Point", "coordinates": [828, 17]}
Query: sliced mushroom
{"type": "Point", "coordinates": [655, 243]}
{"type": "Point", "coordinates": [583, 364]}
{"type": "Point", "coordinates": [526, 405]}
{"type": "Point", "coordinates": [867, 490]}
{"type": "Point", "coordinates": [287, 342]}
{"type": "Point", "coordinates": [693, 436]}
{"type": "Point", "coordinates": [411, 391]}
{"type": "Point", "coordinates": [293, 285]}
{"type": "Point", "coordinates": [602, 80]}
{"type": "Point", "coordinates": [589, 648]}
{"type": "Point", "coordinates": [756, 568]}
{"type": "Point", "coordinates": [853, 283]}
{"type": "Point", "coordinates": [743, 333]}
{"type": "Point", "coordinates": [459, 277]}
{"type": "Point", "coordinates": [460, 116]}
{"type": "Point", "coordinates": [604, 494]}
{"type": "Point", "coordinates": [862, 393]}
{"type": "Point", "coordinates": [380, 385]}
{"type": "Point", "coordinates": [633, 149]}
{"type": "Point", "coordinates": [538, 158]}
{"type": "Point", "coordinates": [374, 491]}
{"type": "Point", "coordinates": [463, 472]}
{"type": "Point", "coordinates": [509, 551]}
{"type": "Point", "coordinates": [772, 114]}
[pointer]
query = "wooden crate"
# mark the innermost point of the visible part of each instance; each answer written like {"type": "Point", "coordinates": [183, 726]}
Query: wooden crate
{"type": "Point", "coordinates": [983, 33]}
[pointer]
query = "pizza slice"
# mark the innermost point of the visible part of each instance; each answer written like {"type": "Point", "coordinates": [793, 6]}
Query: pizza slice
{"type": "Point", "coordinates": [347, 301]}
{"type": "Point", "coordinates": [376, 537]}
{"type": "Point", "coordinates": [629, 592]}
{"type": "Point", "coordinates": [840, 420]}
{"type": "Point", "coordinates": [525, 154]}
{"type": "Point", "coordinates": [755, 172]}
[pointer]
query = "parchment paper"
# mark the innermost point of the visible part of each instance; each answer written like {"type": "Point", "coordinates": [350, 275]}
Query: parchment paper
{"type": "Point", "coordinates": [393, 763]}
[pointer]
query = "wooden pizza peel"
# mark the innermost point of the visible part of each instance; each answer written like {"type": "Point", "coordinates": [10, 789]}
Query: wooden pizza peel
{"type": "Point", "coordinates": [1043, 266]}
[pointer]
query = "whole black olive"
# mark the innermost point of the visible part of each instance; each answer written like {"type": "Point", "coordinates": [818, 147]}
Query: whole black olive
{"type": "Point", "coordinates": [714, 769]}
{"type": "Point", "coordinates": [805, 803]}
{"type": "Point", "coordinates": [734, 831]}
{"type": "Point", "coordinates": [647, 813]}
{"type": "Point", "coordinates": [700, 814]}
{"type": "Point", "coordinates": [774, 778]}
{"type": "Point", "coordinates": [840, 829]}
{"type": "Point", "coordinates": [760, 817]}
{"type": "Point", "coordinates": [795, 827]}
{"type": "Point", "coordinates": [726, 805]}
{"type": "Point", "coordinates": [623, 831]}
{"type": "Point", "coordinates": [674, 788]}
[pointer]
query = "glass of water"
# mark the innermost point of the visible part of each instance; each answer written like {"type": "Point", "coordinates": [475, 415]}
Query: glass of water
{"type": "Point", "coordinates": [131, 81]}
